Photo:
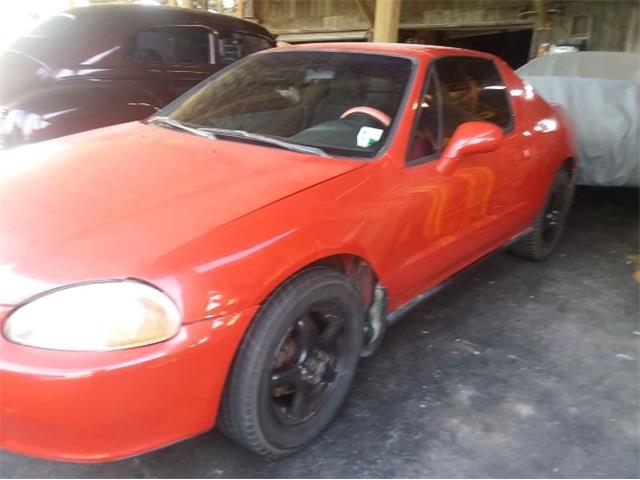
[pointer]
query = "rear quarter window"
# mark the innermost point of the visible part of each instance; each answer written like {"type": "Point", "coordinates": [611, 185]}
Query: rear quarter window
{"type": "Point", "coordinates": [236, 45]}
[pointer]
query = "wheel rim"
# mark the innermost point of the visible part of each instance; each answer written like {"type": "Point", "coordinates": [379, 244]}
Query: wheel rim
{"type": "Point", "coordinates": [552, 220]}
{"type": "Point", "coordinates": [306, 364]}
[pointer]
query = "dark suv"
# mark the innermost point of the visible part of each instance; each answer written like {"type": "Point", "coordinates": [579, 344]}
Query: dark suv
{"type": "Point", "coordinates": [95, 66]}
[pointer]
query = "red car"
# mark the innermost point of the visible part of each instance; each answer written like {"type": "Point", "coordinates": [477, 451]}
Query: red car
{"type": "Point", "coordinates": [228, 261]}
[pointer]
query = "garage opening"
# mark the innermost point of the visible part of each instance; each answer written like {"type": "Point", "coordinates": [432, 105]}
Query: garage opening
{"type": "Point", "coordinates": [513, 44]}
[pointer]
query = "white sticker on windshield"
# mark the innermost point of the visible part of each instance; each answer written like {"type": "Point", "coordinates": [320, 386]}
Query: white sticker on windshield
{"type": "Point", "coordinates": [367, 136]}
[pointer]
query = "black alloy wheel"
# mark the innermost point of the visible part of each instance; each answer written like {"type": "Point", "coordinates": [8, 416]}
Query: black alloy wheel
{"type": "Point", "coordinates": [549, 224]}
{"type": "Point", "coordinates": [306, 364]}
{"type": "Point", "coordinates": [295, 365]}
{"type": "Point", "coordinates": [553, 214]}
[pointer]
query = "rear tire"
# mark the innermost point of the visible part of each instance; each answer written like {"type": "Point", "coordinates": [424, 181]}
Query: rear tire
{"type": "Point", "coordinates": [295, 365]}
{"type": "Point", "coordinates": [538, 244]}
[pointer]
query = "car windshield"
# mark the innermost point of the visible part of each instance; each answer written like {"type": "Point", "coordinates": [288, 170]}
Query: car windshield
{"type": "Point", "coordinates": [337, 103]}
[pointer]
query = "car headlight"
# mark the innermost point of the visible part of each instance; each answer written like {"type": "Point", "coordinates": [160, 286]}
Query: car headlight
{"type": "Point", "coordinates": [98, 316]}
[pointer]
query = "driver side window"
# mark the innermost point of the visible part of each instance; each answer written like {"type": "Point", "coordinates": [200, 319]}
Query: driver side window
{"type": "Point", "coordinates": [458, 89]}
{"type": "Point", "coordinates": [426, 135]}
{"type": "Point", "coordinates": [472, 90]}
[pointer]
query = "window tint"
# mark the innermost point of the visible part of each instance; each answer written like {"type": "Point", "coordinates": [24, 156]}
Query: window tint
{"type": "Point", "coordinates": [302, 97]}
{"type": "Point", "coordinates": [237, 45]}
{"type": "Point", "coordinates": [472, 89]}
{"type": "Point", "coordinates": [426, 137]}
{"type": "Point", "coordinates": [169, 45]}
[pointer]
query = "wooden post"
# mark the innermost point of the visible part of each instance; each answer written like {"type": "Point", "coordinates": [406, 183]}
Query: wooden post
{"type": "Point", "coordinates": [249, 11]}
{"type": "Point", "coordinates": [542, 33]}
{"type": "Point", "coordinates": [541, 13]}
{"type": "Point", "coordinates": [387, 19]}
{"type": "Point", "coordinates": [239, 10]}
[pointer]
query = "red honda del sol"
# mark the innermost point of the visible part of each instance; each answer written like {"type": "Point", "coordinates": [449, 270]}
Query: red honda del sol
{"type": "Point", "coordinates": [228, 261]}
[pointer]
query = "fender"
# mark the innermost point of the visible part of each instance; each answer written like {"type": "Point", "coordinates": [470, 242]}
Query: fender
{"type": "Point", "coordinates": [74, 106]}
{"type": "Point", "coordinates": [240, 264]}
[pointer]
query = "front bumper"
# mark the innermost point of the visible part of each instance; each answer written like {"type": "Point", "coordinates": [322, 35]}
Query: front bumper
{"type": "Point", "coordinates": [102, 406]}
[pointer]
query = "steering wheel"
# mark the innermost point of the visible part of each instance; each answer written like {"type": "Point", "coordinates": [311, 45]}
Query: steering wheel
{"type": "Point", "coordinates": [379, 115]}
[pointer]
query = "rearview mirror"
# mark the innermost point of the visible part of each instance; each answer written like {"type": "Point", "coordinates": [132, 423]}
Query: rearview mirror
{"type": "Point", "coordinates": [469, 138]}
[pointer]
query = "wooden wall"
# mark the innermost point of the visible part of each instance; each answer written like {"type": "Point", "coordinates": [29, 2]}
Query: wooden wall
{"type": "Point", "coordinates": [613, 23]}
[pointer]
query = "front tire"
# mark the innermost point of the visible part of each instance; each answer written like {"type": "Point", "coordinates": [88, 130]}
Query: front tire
{"type": "Point", "coordinates": [295, 365]}
{"type": "Point", "coordinates": [547, 228]}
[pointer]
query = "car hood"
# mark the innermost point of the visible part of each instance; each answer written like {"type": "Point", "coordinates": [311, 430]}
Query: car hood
{"type": "Point", "coordinates": [104, 204]}
{"type": "Point", "coordinates": [20, 74]}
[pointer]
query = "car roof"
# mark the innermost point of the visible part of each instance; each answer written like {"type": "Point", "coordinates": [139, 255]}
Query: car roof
{"type": "Point", "coordinates": [411, 49]}
{"type": "Point", "coordinates": [139, 15]}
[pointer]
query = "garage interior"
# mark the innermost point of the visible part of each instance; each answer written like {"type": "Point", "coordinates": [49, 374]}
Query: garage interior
{"type": "Point", "coordinates": [512, 44]}
{"type": "Point", "coordinates": [518, 369]}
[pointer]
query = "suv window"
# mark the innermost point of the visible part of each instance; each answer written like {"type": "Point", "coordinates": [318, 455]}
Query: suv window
{"type": "Point", "coordinates": [236, 45]}
{"type": "Point", "coordinates": [185, 45]}
{"type": "Point", "coordinates": [472, 89]}
{"type": "Point", "coordinates": [426, 136]}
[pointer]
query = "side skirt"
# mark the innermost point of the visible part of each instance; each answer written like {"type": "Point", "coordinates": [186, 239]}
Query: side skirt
{"type": "Point", "coordinates": [398, 313]}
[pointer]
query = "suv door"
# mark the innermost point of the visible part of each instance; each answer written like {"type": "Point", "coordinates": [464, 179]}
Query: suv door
{"type": "Point", "coordinates": [171, 59]}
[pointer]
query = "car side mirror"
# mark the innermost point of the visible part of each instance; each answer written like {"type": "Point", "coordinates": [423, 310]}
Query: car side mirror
{"type": "Point", "coordinates": [469, 138]}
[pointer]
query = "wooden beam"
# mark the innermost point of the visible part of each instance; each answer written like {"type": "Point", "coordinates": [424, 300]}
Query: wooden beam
{"type": "Point", "coordinates": [541, 11]}
{"type": "Point", "coordinates": [239, 10]}
{"type": "Point", "coordinates": [387, 19]}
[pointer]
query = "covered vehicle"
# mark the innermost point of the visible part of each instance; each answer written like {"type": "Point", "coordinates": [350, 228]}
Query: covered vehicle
{"type": "Point", "coordinates": [600, 92]}
{"type": "Point", "coordinates": [100, 65]}
{"type": "Point", "coordinates": [229, 260]}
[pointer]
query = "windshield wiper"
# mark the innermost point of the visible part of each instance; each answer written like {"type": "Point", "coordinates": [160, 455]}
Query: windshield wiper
{"type": "Point", "coordinates": [170, 122]}
{"type": "Point", "coordinates": [265, 140]}
{"type": "Point", "coordinates": [240, 135]}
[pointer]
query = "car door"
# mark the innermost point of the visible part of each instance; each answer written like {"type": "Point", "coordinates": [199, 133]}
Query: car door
{"type": "Point", "coordinates": [169, 60]}
{"type": "Point", "coordinates": [500, 182]}
{"type": "Point", "coordinates": [452, 220]}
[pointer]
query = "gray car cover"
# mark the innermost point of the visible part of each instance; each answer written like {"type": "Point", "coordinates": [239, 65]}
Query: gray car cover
{"type": "Point", "coordinates": [600, 92]}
